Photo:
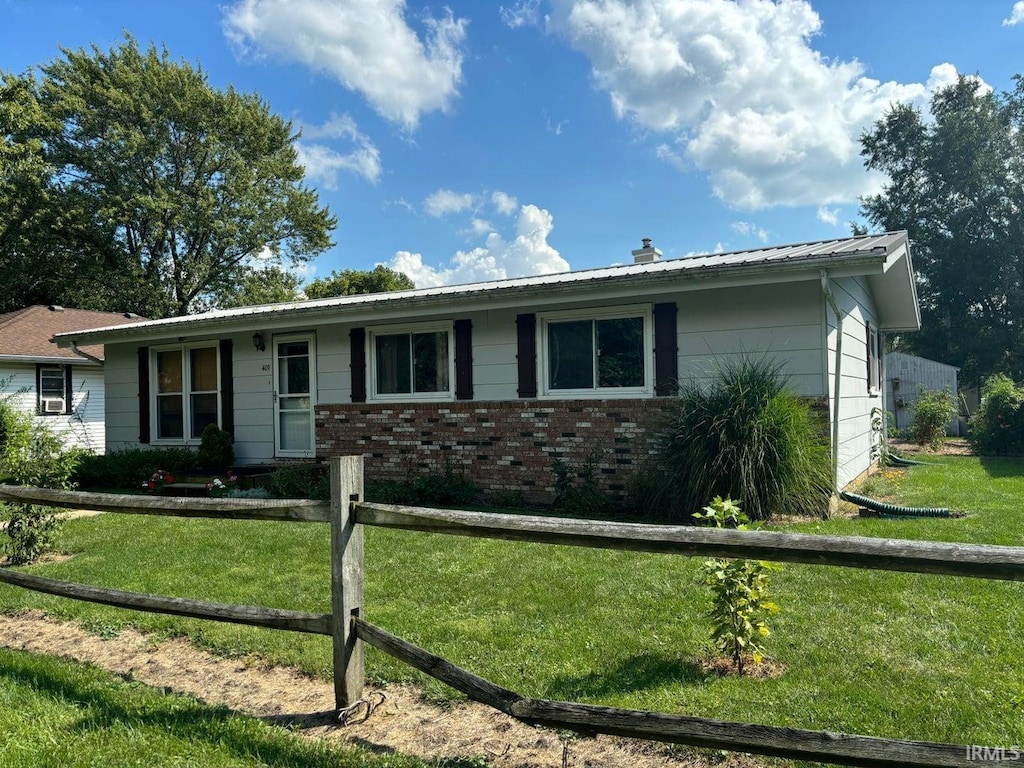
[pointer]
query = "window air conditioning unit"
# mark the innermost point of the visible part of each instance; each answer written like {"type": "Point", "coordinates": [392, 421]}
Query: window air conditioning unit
{"type": "Point", "coordinates": [53, 405]}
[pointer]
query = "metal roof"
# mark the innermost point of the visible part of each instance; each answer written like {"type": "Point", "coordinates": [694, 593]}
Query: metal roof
{"type": "Point", "coordinates": [864, 248]}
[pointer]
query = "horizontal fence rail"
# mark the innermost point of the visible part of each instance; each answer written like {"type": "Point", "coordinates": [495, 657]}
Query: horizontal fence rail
{"type": "Point", "coordinates": [298, 510]}
{"type": "Point", "coordinates": [695, 731]}
{"type": "Point", "coordinates": [271, 618]}
{"type": "Point", "coordinates": [979, 561]}
{"type": "Point", "coordinates": [347, 514]}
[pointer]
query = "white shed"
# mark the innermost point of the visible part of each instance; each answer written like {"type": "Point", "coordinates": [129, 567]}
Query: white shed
{"type": "Point", "coordinates": [906, 376]}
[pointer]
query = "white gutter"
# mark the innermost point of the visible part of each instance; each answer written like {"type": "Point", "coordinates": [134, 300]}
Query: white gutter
{"type": "Point", "coordinates": [826, 289]}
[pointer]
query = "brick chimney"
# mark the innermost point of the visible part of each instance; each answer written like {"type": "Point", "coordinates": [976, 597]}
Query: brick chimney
{"type": "Point", "coordinates": [646, 255]}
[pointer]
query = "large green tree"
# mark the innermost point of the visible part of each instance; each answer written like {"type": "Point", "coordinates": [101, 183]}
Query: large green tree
{"type": "Point", "coordinates": [956, 183]}
{"type": "Point", "coordinates": [349, 282]}
{"type": "Point", "coordinates": [147, 188]}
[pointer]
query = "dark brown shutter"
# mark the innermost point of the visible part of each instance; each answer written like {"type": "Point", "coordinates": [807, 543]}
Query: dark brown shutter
{"type": "Point", "coordinates": [526, 338]}
{"type": "Point", "coordinates": [143, 394]}
{"type": "Point", "coordinates": [68, 390]}
{"type": "Point", "coordinates": [227, 388]}
{"type": "Point", "coordinates": [463, 359]}
{"type": "Point", "coordinates": [357, 348]}
{"type": "Point", "coordinates": [39, 387]}
{"type": "Point", "coordinates": [666, 352]}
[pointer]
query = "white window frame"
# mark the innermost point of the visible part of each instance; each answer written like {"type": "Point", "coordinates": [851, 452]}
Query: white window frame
{"type": "Point", "coordinates": [186, 393]}
{"type": "Point", "coordinates": [599, 313]}
{"type": "Point", "coordinates": [874, 351]}
{"type": "Point", "coordinates": [41, 397]}
{"type": "Point", "coordinates": [374, 332]}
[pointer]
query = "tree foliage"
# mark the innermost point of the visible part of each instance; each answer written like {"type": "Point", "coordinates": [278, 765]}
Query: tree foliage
{"type": "Point", "coordinates": [956, 184]}
{"type": "Point", "coordinates": [141, 187]}
{"type": "Point", "coordinates": [349, 282]}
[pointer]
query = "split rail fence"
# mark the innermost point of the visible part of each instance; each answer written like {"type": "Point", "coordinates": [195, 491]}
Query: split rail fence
{"type": "Point", "coordinates": [348, 514]}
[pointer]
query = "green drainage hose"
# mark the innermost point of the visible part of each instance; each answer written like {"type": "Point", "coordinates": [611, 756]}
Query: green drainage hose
{"type": "Point", "coordinates": [898, 461]}
{"type": "Point", "coordinates": [894, 510]}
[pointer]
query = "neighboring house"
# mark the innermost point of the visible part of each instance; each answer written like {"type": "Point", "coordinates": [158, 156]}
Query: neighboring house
{"type": "Point", "coordinates": [498, 379]}
{"type": "Point", "coordinates": [60, 388]}
{"type": "Point", "coordinates": [906, 376]}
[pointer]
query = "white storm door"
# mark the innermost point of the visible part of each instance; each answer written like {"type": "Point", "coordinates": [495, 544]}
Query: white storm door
{"type": "Point", "coordinates": [294, 395]}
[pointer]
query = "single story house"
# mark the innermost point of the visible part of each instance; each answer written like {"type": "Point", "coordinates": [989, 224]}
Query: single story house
{"type": "Point", "coordinates": [907, 376]}
{"type": "Point", "coordinates": [497, 379]}
{"type": "Point", "coordinates": [60, 387]}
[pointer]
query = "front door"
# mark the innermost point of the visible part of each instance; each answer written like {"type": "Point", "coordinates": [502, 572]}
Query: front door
{"type": "Point", "coordinates": [294, 394]}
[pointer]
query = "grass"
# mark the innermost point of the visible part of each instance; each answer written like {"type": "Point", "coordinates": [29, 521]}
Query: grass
{"type": "Point", "coordinates": [886, 654]}
{"type": "Point", "coordinates": [60, 714]}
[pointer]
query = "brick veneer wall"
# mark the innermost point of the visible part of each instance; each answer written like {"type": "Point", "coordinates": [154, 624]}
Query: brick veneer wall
{"type": "Point", "coordinates": [500, 446]}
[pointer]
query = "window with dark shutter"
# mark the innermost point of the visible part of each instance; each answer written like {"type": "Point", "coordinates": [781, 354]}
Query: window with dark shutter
{"type": "Point", "coordinates": [227, 388]}
{"type": "Point", "coordinates": [526, 357]}
{"type": "Point", "coordinates": [463, 359]}
{"type": "Point", "coordinates": [666, 351]}
{"type": "Point", "coordinates": [143, 394]}
{"type": "Point", "coordinates": [357, 351]}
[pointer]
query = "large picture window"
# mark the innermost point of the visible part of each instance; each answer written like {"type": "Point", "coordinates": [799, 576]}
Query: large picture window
{"type": "Point", "coordinates": [597, 352]}
{"type": "Point", "coordinates": [187, 393]}
{"type": "Point", "coordinates": [412, 363]}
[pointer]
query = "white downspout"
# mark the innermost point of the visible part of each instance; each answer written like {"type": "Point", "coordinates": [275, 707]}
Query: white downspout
{"type": "Point", "coordinates": [86, 355]}
{"type": "Point", "coordinates": [826, 289]}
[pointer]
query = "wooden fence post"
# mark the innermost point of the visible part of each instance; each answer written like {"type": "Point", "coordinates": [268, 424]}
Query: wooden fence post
{"type": "Point", "coordinates": [346, 579]}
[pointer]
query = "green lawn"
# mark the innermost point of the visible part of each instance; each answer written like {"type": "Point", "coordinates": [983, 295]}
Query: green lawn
{"type": "Point", "coordinates": [886, 654]}
{"type": "Point", "coordinates": [56, 713]}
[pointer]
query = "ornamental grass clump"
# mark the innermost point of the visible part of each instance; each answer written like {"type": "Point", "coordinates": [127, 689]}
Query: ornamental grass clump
{"type": "Point", "coordinates": [743, 435]}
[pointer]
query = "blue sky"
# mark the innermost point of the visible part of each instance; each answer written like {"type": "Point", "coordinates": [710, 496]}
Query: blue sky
{"type": "Point", "coordinates": [476, 140]}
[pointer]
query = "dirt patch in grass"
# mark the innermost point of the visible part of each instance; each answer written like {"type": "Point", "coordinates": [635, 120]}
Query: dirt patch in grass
{"type": "Point", "coordinates": [953, 446]}
{"type": "Point", "coordinates": [720, 666]}
{"type": "Point", "coordinates": [402, 722]}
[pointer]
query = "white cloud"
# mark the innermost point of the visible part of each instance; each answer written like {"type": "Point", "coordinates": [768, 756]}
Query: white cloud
{"type": "Point", "coordinates": [528, 253]}
{"type": "Point", "coordinates": [741, 91]}
{"type": "Point", "coordinates": [365, 44]}
{"type": "Point", "coordinates": [1016, 15]}
{"type": "Point", "coordinates": [480, 227]}
{"type": "Point", "coordinates": [828, 215]}
{"type": "Point", "coordinates": [323, 163]}
{"type": "Point", "coordinates": [504, 203]}
{"type": "Point", "coordinates": [750, 229]}
{"type": "Point", "coordinates": [525, 13]}
{"type": "Point", "coordinates": [445, 201]}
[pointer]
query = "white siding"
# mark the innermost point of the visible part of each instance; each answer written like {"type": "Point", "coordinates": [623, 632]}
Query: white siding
{"type": "Point", "coordinates": [83, 428]}
{"type": "Point", "coordinates": [906, 376]}
{"type": "Point", "coordinates": [855, 437]}
{"type": "Point", "coordinates": [781, 322]}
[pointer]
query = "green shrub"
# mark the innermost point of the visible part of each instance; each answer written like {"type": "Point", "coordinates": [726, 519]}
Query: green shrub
{"type": "Point", "coordinates": [31, 454]}
{"type": "Point", "coordinates": [297, 481]}
{"type": "Point", "coordinates": [576, 493]}
{"type": "Point", "coordinates": [739, 607]}
{"type": "Point", "coordinates": [127, 468]}
{"type": "Point", "coordinates": [932, 412]}
{"type": "Point", "coordinates": [744, 436]}
{"type": "Point", "coordinates": [215, 449]}
{"type": "Point", "coordinates": [426, 491]}
{"type": "Point", "coordinates": [997, 427]}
